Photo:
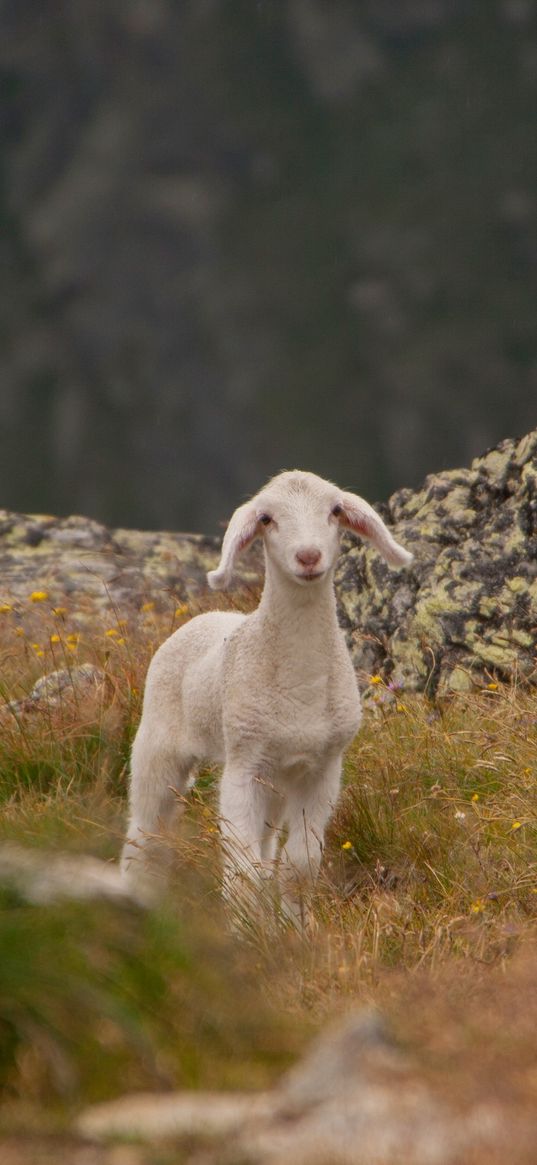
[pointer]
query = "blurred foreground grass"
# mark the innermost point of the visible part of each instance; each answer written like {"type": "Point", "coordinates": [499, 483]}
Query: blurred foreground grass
{"type": "Point", "coordinates": [430, 869]}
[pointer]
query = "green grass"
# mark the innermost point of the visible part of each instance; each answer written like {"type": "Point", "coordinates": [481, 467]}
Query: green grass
{"type": "Point", "coordinates": [430, 868]}
{"type": "Point", "coordinates": [97, 1000]}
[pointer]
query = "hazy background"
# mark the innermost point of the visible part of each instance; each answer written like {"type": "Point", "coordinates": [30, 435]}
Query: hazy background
{"type": "Point", "coordinates": [238, 236]}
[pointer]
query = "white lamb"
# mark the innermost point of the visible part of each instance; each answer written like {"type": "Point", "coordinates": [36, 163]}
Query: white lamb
{"type": "Point", "coordinates": [271, 695]}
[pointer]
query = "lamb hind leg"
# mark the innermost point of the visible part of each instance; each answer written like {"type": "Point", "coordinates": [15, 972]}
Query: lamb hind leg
{"type": "Point", "coordinates": [159, 775]}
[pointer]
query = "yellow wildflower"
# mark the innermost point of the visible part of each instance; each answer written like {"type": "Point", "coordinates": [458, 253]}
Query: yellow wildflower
{"type": "Point", "coordinates": [149, 606]}
{"type": "Point", "coordinates": [475, 796]}
{"type": "Point", "coordinates": [492, 687]}
{"type": "Point", "coordinates": [375, 679]}
{"type": "Point", "coordinates": [347, 845]}
{"type": "Point", "coordinates": [516, 825]}
{"type": "Point", "coordinates": [478, 906]}
{"type": "Point", "coordinates": [181, 610]}
{"type": "Point", "coordinates": [5, 608]}
{"type": "Point", "coordinates": [59, 612]}
{"type": "Point", "coordinates": [55, 639]}
{"type": "Point", "coordinates": [38, 596]}
{"type": "Point", "coordinates": [112, 632]}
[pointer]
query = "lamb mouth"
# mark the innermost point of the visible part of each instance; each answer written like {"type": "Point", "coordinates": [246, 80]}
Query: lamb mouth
{"type": "Point", "coordinates": [311, 577]}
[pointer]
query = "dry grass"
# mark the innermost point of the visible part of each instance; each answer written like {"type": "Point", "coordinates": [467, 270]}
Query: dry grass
{"type": "Point", "coordinates": [428, 890]}
{"type": "Point", "coordinates": [440, 810]}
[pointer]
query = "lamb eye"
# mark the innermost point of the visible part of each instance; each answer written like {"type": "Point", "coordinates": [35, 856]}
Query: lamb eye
{"type": "Point", "coordinates": [265, 519]}
{"type": "Point", "coordinates": [337, 510]}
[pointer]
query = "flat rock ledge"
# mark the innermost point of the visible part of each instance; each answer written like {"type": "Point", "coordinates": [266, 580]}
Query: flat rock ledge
{"type": "Point", "coordinates": [78, 561]}
{"type": "Point", "coordinates": [463, 614]}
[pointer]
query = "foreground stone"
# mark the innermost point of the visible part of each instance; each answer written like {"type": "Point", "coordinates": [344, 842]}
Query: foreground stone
{"type": "Point", "coordinates": [465, 613]}
{"type": "Point", "coordinates": [84, 688]}
{"type": "Point", "coordinates": [177, 1115]}
{"type": "Point", "coordinates": [353, 1100]}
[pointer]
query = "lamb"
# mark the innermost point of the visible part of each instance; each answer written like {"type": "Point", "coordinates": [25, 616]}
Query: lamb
{"type": "Point", "coordinates": [272, 695]}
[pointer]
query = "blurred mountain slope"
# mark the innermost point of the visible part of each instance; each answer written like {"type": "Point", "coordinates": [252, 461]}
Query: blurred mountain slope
{"type": "Point", "coordinates": [239, 237]}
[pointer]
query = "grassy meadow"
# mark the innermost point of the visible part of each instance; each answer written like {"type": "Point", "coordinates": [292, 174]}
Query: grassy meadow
{"type": "Point", "coordinates": [426, 905]}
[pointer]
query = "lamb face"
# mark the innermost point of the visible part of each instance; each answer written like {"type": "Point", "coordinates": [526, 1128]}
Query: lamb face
{"type": "Point", "coordinates": [299, 516]}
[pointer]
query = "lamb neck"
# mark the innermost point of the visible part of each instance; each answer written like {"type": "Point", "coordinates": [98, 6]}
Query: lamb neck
{"type": "Point", "coordinates": [300, 621]}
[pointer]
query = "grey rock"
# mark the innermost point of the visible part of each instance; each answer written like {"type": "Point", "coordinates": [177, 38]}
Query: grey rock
{"type": "Point", "coordinates": [55, 688]}
{"type": "Point", "coordinates": [43, 877]}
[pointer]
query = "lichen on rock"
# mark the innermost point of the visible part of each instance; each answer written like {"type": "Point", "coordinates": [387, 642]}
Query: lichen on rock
{"type": "Point", "coordinates": [82, 563]}
{"type": "Point", "coordinates": [467, 607]}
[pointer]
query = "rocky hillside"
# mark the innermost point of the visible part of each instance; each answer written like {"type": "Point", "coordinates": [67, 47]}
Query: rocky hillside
{"type": "Point", "coordinates": [465, 612]}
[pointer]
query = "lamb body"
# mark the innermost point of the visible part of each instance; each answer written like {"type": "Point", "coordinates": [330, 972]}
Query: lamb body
{"type": "Point", "coordinates": [271, 695]}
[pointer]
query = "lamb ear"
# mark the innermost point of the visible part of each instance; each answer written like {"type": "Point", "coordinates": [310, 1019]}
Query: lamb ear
{"type": "Point", "coordinates": [359, 516]}
{"type": "Point", "coordinates": [242, 529]}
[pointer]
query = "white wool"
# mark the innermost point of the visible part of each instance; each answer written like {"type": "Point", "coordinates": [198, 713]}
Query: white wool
{"type": "Point", "coordinates": [272, 696]}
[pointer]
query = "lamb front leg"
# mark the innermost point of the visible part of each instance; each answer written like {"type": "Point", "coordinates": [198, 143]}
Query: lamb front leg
{"type": "Point", "coordinates": [250, 814]}
{"type": "Point", "coordinates": [309, 809]}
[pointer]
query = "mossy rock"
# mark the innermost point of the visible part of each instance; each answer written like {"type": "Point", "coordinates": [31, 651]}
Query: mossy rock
{"type": "Point", "coordinates": [466, 610]}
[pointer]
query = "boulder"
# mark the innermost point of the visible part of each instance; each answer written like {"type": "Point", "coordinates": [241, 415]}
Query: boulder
{"type": "Point", "coordinates": [466, 610]}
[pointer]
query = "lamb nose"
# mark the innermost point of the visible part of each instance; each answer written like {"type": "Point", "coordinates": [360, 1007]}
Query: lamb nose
{"type": "Point", "coordinates": [309, 556]}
